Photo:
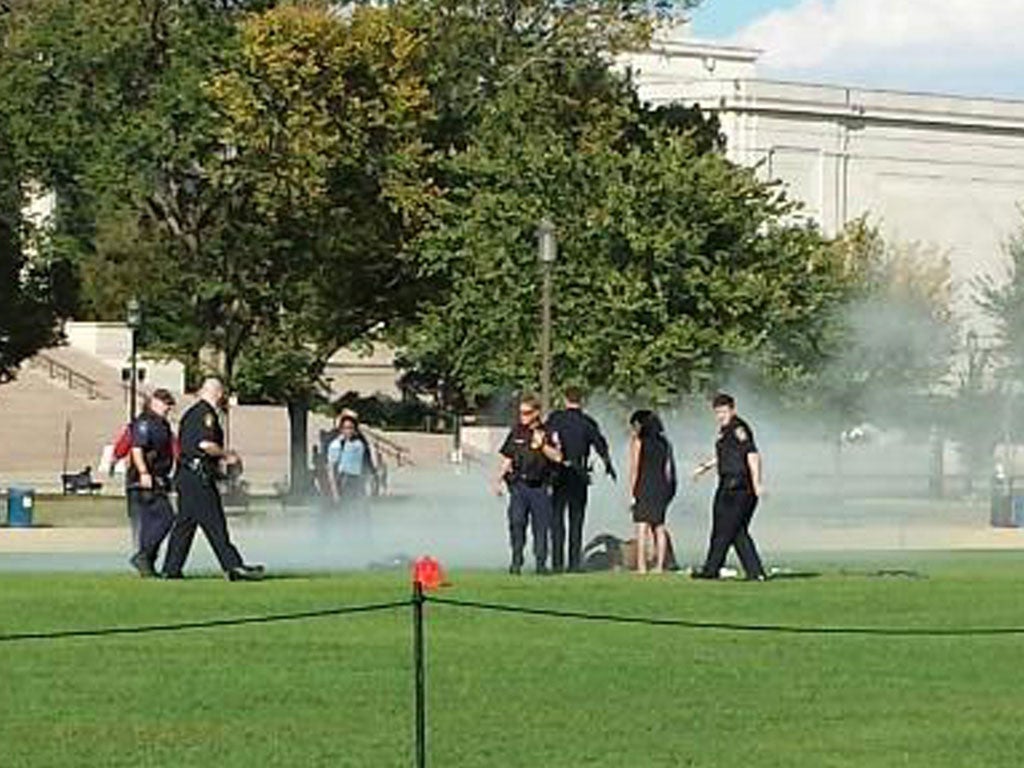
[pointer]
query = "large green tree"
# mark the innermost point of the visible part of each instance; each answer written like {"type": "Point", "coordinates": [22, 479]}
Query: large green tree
{"type": "Point", "coordinates": [28, 313]}
{"type": "Point", "coordinates": [106, 101]}
{"type": "Point", "coordinates": [111, 106]}
{"type": "Point", "coordinates": [33, 291]}
{"type": "Point", "coordinates": [674, 265]}
{"type": "Point", "coordinates": [325, 117]}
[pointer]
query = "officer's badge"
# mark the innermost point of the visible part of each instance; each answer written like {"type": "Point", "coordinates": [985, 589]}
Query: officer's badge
{"type": "Point", "coordinates": [209, 420]}
{"type": "Point", "coordinates": [741, 434]}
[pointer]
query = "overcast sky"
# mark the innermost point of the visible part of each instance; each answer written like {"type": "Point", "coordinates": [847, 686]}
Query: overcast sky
{"type": "Point", "coordinates": [971, 47]}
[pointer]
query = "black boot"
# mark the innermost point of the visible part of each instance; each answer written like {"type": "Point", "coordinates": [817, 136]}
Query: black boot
{"type": "Point", "coordinates": [141, 563]}
{"type": "Point", "coordinates": [242, 573]}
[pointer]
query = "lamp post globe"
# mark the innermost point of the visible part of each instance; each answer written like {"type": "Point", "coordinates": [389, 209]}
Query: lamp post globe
{"type": "Point", "coordinates": [547, 241]}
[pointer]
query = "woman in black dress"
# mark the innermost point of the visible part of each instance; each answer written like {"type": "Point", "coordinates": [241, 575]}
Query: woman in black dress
{"type": "Point", "coordinates": [653, 484]}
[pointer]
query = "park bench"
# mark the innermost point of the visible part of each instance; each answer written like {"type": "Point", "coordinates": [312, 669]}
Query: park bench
{"type": "Point", "coordinates": [79, 482]}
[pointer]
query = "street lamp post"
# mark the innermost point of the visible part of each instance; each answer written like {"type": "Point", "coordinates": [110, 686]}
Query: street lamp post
{"type": "Point", "coordinates": [134, 319]}
{"type": "Point", "coordinates": [547, 249]}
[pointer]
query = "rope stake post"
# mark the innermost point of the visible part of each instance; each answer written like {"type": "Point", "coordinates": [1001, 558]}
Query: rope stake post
{"type": "Point", "coordinates": [426, 575]}
{"type": "Point", "coordinates": [419, 662]}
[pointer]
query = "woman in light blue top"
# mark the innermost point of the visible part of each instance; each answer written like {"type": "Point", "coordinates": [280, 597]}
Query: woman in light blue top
{"type": "Point", "coordinates": [349, 461]}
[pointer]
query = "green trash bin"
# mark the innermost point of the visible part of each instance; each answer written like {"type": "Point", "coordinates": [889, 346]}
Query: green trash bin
{"type": "Point", "coordinates": [20, 505]}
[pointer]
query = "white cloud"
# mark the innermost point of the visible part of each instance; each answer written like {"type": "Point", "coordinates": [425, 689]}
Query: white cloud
{"type": "Point", "coordinates": [975, 44]}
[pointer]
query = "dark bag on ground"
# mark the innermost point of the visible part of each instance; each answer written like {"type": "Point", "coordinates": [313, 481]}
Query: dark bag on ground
{"type": "Point", "coordinates": [607, 552]}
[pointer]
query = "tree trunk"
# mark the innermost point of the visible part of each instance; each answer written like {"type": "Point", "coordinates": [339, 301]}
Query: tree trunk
{"type": "Point", "coordinates": [298, 427]}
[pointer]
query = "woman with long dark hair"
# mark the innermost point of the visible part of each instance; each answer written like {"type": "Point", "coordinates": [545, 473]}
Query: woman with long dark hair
{"type": "Point", "coordinates": [349, 460]}
{"type": "Point", "coordinates": [652, 483]}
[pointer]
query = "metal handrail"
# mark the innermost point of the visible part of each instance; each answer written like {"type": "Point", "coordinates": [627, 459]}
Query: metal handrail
{"type": "Point", "coordinates": [389, 448]}
{"type": "Point", "coordinates": [58, 371]}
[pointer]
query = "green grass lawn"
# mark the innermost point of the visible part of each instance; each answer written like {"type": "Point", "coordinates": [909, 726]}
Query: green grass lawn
{"type": "Point", "coordinates": [515, 690]}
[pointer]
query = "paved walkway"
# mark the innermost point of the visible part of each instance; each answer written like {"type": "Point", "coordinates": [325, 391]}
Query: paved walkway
{"type": "Point", "coordinates": [64, 540]}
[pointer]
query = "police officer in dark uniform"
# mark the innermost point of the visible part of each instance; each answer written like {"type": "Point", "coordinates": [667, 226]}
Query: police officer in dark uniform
{"type": "Point", "coordinates": [199, 502]}
{"type": "Point", "coordinates": [529, 456]}
{"type": "Point", "coordinates": [739, 488]}
{"type": "Point", "coordinates": [150, 467]}
{"type": "Point", "coordinates": [577, 434]}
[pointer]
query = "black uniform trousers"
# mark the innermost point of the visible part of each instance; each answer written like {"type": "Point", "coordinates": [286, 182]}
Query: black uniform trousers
{"type": "Point", "coordinates": [529, 504]}
{"type": "Point", "coordinates": [152, 518]}
{"type": "Point", "coordinates": [199, 504]}
{"type": "Point", "coordinates": [733, 511]}
{"type": "Point", "coordinates": [570, 495]}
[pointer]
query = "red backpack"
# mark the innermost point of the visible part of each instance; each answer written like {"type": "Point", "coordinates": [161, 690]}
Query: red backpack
{"type": "Point", "coordinates": [123, 444]}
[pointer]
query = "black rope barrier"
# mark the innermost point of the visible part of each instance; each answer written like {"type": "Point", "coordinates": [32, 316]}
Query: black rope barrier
{"type": "Point", "coordinates": [419, 599]}
{"type": "Point", "coordinates": [608, 618]}
{"type": "Point", "coordinates": [205, 624]}
{"type": "Point", "coordinates": [726, 626]}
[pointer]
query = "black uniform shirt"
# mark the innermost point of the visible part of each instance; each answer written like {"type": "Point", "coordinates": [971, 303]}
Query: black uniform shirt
{"type": "Point", "coordinates": [199, 424]}
{"type": "Point", "coordinates": [152, 434]}
{"type": "Point", "coordinates": [735, 443]}
{"type": "Point", "coordinates": [577, 433]}
{"type": "Point", "coordinates": [529, 464]}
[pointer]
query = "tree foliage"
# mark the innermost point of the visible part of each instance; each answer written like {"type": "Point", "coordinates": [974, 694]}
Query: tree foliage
{"type": "Point", "coordinates": [29, 303]}
{"type": "Point", "coordinates": [277, 180]}
{"type": "Point", "coordinates": [324, 119]}
{"type": "Point", "coordinates": [34, 293]}
{"type": "Point", "coordinates": [992, 393]}
{"type": "Point", "coordinates": [1001, 300]}
{"type": "Point", "coordinates": [893, 343]}
{"type": "Point", "coordinates": [106, 99]}
{"type": "Point", "coordinates": [673, 264]}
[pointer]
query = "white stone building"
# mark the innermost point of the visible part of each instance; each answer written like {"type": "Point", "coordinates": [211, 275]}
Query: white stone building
{"type": "Point", "coordinates": [942, 171]}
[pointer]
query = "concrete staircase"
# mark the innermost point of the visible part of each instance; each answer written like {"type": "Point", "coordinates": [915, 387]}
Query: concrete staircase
{"type": "Point", "coordinates": [67, 392]}
{"type": "Point", "coordinates": [61, 397]}
{"type": "Point", "coordinates": [79, 373]}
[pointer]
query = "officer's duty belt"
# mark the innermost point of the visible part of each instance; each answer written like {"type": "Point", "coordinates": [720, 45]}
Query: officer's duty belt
{"type": "Point", "coordinates": [199, 466]}
{"type": "Point", "coordinates": [529, 483]}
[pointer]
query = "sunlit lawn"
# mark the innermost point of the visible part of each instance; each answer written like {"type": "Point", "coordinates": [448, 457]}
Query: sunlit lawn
{"type": "Point", "coordinates": [518, 690]}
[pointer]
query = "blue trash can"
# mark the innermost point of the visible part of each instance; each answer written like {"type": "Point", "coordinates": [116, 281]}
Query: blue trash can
{"type": "Point", "coordinates": [20, 504]}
